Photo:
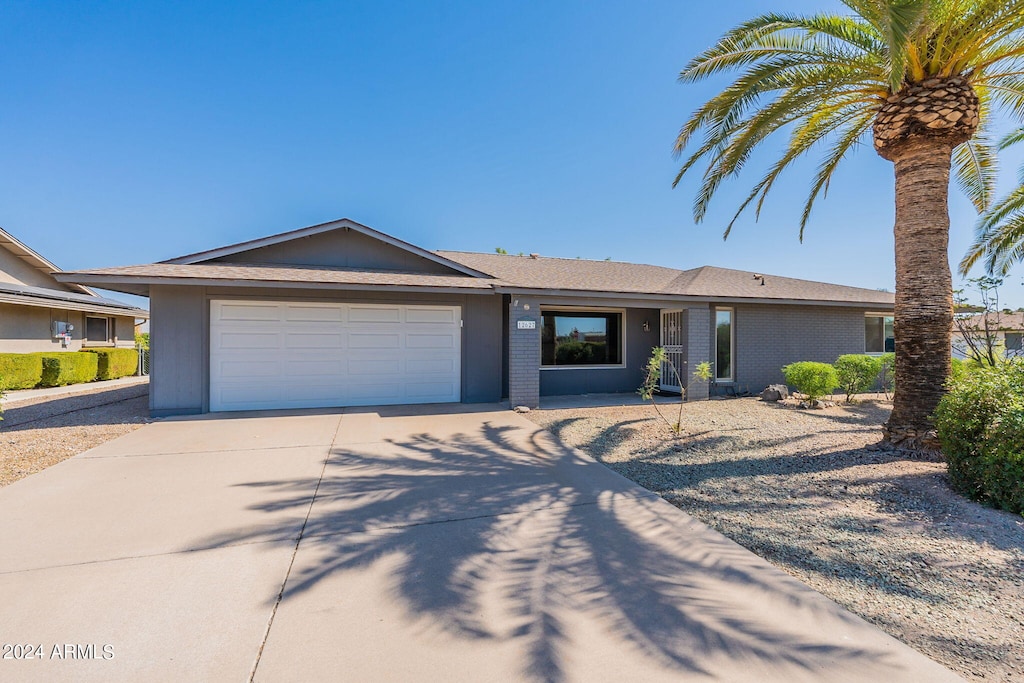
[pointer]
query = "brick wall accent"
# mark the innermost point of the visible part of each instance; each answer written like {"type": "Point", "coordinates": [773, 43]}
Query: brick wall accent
{"type": "Point", "coordinates": [698, 334]}
{"type": "Point", "coordinates": [523, 353]}
{"type": "Point", "coordinates": [770, 336]}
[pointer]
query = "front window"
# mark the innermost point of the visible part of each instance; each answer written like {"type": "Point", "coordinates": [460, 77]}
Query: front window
{"type": "Point", "coordinates": [878, 334]}
{"type": "Point", "coordinates": [97, 330]}
{"type": "Point", "coordinates": [1014, 343]}
{"type": "Point", "coordinates": [581, 338]}
{"type": "Point", "coordinates": [723, 344]}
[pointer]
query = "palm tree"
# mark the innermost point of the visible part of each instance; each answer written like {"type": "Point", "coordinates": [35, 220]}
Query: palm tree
{"type": "Point", "coordinates": [999, 242]}
{"type": "Point", "coordinates": [921, 76]}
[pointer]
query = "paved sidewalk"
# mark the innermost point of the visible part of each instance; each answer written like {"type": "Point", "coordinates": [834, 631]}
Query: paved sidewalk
{"type": "Point", "coordinates": [21, 395]}
{"type": "Point", "coordinates": [401, 544]}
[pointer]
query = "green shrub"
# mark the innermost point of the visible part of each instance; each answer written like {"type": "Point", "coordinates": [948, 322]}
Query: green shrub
{"type": "Point", "coordinates": [69, 367]}
{"type": "Point", "coordinates": [857, 373]}
{"type": "Point", "coordinates": [980, 423]}
{"type": "Point", "coordinates": [20, 370]}
{"type": "Point", "coordinates": [813, 379]}
{"type": "Point", "coordinates": [114, 363]}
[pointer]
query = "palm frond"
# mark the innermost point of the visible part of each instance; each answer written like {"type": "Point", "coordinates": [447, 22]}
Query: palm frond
{"type": "Point", "coordinates": [976, 165]}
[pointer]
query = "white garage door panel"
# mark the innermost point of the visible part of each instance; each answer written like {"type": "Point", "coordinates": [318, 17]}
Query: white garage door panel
{"type": "Point", "coordinates": [311, 354]}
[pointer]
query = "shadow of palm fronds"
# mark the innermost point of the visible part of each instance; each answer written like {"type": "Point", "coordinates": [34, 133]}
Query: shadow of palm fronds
{"type": "Point", "coordinates": [507, 535]}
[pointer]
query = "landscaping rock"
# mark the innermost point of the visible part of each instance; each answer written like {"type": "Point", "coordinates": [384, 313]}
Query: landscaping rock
{"type": "Point", "coordinates": [775, 392]}
{"type": "Point", "coordinates": [874, 528]}
{"type": "Point", "coordinates": [521, 409]}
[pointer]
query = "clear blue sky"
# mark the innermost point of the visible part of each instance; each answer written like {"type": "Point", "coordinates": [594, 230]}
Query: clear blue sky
{"type": "Point", "coordinates": [134, 132]}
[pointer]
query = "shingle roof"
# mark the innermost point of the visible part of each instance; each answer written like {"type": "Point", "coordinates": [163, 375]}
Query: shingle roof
{"type": "Point", "coordinates": [485, 272]}
{"type": "Point", "coordinates": [55, 298]}
{"type": "Point", "coordinates": [997, 321]}
{"type": "Point", "coordinates": [614, 276]}
{"type": "Point", "coordinates": [563, 273]}
{"type": "Point", "coordinates": [312, 275]}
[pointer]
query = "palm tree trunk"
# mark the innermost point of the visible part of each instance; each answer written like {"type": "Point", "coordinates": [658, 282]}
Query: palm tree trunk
{"type": "Point", "coordinates": [924, 289]}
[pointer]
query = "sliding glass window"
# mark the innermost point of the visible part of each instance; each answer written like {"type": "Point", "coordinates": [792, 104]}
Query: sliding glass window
{"type": "Point", "coordinates": [723, 345]}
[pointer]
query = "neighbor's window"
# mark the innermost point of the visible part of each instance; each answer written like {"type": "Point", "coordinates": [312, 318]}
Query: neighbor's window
{"type": "Point", "coordinates": [878, 336]}
{"type": "Point", "coordinates": [581, 338]}
{"type": "Point", "coordinates": [1014, 342]}
{"type": "Point", "coordinates": [723, 344]}
{"type": "Point", "coordinates": [97, 329]}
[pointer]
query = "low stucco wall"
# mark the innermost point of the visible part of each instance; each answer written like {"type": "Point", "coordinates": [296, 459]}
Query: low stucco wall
{"type": "Point", "coordinates": [180, 339]}
{"type": "Point", "coordinates": [29, 329]}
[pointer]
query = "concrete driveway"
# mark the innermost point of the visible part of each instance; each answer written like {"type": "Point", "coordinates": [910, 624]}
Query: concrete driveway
{"type": "Point", "coordinates": [393, 545]}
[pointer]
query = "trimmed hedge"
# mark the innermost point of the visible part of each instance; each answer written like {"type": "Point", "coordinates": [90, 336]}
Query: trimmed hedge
{"type": "Point", "coordinates": [813, 379]}
{"type": "Point", "coordinates": [114, 363]}
{"type": "Point", "coordinates": [980, 423]}
{"type": "Point", "coordinates": [20, 370]}
{"type": "Point", "coordinates": [69, 367]}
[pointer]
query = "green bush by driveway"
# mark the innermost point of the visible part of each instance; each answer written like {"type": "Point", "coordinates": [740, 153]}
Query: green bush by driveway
{"type": "Point", "coordinates": [20, 370]}
{"type": "Point", "coordinates": [980, 424]}
{"type": "Point", "coordinates": [115, 363]}
{"type": "Point", "coordinates": [70, 367]}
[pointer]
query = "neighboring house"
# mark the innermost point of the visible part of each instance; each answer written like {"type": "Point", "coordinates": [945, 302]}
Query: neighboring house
{"type": "Point", "coordinates": [38, 313]}
{"type": "Point", "coordinates": [342, 315]}
{"type": "Point", "coordinates": [1005, 332]}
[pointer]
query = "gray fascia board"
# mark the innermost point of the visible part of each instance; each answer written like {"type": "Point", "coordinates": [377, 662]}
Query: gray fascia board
{"type": "Point", "coordinates": [111, 282]}
{"type": "Point", "coordinates": [675, 298]}
{"type": "Point", "coordinates": [321, 228]}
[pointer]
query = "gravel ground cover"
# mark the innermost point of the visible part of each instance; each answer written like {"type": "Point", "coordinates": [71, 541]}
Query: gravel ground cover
{"type": "Point", "coordinates": [41, 432]}
{"type": "Point", "coordinates": [878, 532]}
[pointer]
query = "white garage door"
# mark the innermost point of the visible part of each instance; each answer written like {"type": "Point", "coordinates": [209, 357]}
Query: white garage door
{"type": "Point", "coordinates": [268, 354]}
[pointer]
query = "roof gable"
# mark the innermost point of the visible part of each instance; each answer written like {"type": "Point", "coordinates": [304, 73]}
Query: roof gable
{"type": "Point", "coordinates": [21, 265]}
{"type": "Point", "coordinates": [338, 244]}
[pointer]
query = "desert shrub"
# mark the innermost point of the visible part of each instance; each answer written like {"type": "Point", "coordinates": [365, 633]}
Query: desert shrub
{"type": "Point", "coordinates": [980, 423]}
{"type": "Point", "coordinates": [20, 370]}
{"type": "Point", "coordinates": [142, 340]}
{"type": "Point", "coordinates": [114, 363]}
{"type": "Point", "coordinates": [69, 367]}
{"type": "Point", "coordinates": [857, 373]}
{"type": "Point", "coordinates": [813, 379]}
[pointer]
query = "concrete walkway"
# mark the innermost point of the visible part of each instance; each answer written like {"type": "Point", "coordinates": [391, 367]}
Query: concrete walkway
{"type": "Point", "coordinates": [394, 545]}
{"type": "Point", "coordinates": [21, 395]}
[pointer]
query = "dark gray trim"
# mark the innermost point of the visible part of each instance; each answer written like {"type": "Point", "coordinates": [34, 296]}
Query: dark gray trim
{"type": "Point", "coordinates": [641, 299]}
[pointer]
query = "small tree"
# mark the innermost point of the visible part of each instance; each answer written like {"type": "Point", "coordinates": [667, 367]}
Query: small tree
{"type": "Point", "coordinates": [976, 328]}
{"type": "Point", "coordinates": [856, 373]}
{"type": "Point", "coordinates": [652, 382]}
{"type": "Point", "coordinates": [814, 380]}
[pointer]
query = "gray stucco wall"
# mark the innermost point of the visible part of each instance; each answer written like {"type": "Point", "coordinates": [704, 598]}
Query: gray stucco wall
{"type": "Point", "coordinates": [180, 334]}
{"type": "Point", "coordinates": [28, 329]}
{"type": "Point", "coordinates": [769, 336]}
{"type": "Point", "coordinates": [16, 271]}
{"type": "Point", "coordinates": [567, 381]}
{"type": "Point", "coordinates": [339, 249]}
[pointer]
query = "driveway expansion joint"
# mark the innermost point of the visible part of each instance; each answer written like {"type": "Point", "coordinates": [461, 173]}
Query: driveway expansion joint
{"type": "Point", "coordinates": [295, 551]}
